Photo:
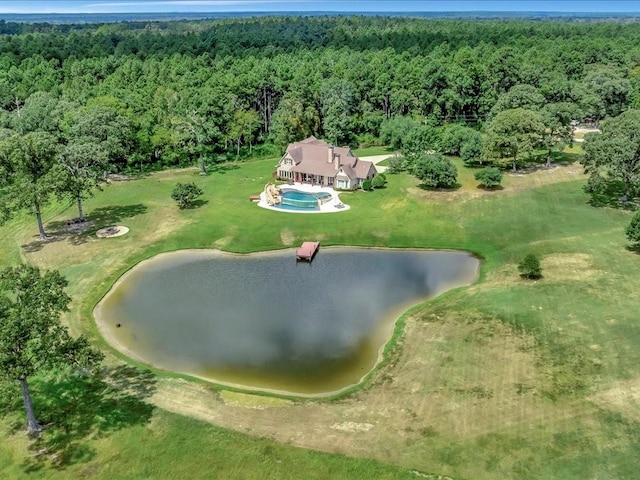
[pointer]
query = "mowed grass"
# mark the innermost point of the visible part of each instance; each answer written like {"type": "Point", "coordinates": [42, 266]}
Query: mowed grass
{"type": "Point", "coordinates": [174, 447]}
{"type": "Point", "coordinates": [504, 379]}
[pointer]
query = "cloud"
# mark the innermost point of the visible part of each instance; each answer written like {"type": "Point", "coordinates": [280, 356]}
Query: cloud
{"type": "Point", "coordinates": [159, 6]}
{"type": "Point", "coordinates": [184, 3]}
{"type": "Point", "coordinates": [114, 6]}
{"type": "Point", "coordinates": [187, 5]}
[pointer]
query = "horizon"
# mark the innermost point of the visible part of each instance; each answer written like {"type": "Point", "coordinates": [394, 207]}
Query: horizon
{"type": "Point", "coordinates": [69, 7]}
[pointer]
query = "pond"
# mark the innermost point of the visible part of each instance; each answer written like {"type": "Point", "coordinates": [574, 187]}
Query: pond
{"type": "Point", "coordinates": [263, 321]}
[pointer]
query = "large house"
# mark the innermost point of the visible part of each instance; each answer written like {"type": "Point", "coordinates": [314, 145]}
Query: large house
{"type": "Point", "coordinates": [315, 161]}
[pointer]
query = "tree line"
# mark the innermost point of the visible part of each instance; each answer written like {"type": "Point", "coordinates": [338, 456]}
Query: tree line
{"type": "Point", "coordinates": [78, 103]}
{"type": "Point", "coordinates": [376, 67]}
{"type": "Point", "coordinates": [588, 42]}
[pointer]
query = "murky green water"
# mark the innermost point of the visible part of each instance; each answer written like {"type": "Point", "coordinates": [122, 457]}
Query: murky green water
{"type": "Point", "coordinates": [265, 321]}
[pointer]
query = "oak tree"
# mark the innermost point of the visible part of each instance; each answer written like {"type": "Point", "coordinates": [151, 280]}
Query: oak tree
{"type": "Point", "coordinates": [28, 177]}
{"type": "Point", "coordinates": [514, 135]}
{"type": "Point", "coordinates": [613, 156]}
{"type": "Point", "coordinates": [79, 169]}
{"type": "Point", "coordinates": [32, 338]}
{"type": "Point", "coordinates": [435, 171]}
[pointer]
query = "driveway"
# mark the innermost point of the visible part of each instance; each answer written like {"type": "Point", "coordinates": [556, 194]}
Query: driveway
{"type": "Point", "coordinates": [375, 159]}
{"type": "Point", "coordinates": [583, 131]}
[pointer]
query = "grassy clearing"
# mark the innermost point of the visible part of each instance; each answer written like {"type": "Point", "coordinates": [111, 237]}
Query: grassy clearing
{"type": "Point", "coordinates": [505, 379]}
{"type": "Point", "coordinates": [371, 151]}
{"type": "Point", "coordinates": [173, 446]}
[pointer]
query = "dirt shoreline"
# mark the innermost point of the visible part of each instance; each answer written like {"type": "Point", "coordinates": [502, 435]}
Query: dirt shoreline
{"type": "Point", "coordinates": [386, 333]}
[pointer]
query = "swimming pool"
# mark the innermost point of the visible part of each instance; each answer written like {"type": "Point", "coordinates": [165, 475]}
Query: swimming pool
{"type": "Point", "coordinates": [301, 199]}
{"type": "Point", "coordinates": [298, 200]}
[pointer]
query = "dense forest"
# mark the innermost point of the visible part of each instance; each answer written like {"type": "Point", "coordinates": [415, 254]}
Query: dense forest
{"type": "Point", "coordinates": [157, 94]}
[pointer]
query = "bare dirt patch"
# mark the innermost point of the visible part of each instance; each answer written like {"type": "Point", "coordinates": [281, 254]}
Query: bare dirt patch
{"type": "Point", "coordinates": [237, 399]}
{"type": "Point", "coordinates": [558, 267]}
{"type": "Point", "coordinates": [539, 176]}
{"type": "Point", "coordinates": [287, 237]}
{"type": "Point", "coordinates": [624, 397]}
{"type": "Point", "coordinates": [222, 242]}
{"type": "Point", "coordinates": [453, 379]}
{"type": "Point", "coordinates": [352, 427]}
{"type": "Point", "coordinates": [381, 234]}
{"type": "Point", "coordinates": [398, 204]}
{"type": "Point", "coordinates": [574, 266]}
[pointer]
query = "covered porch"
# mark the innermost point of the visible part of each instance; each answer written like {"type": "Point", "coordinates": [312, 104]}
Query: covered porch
{"type": "Point", "coordinates": [312, 179]}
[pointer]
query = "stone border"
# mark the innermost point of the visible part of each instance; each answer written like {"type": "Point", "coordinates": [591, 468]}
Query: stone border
{"type": "Point", "coordinates": [112, 231]}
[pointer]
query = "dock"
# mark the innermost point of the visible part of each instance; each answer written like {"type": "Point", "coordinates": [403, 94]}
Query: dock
{"type": "Point", "coordinates": [307, 251]}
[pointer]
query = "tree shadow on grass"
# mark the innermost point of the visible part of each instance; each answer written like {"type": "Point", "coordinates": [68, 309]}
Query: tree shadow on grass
{"type": "Point", "coordinates": [531, 278]}
{"type": "Point", "coordinates": [558, 159]}
{"type": "Point", "coordinates": [113, 214]}
{"type": "Point", "coordinates": [428, 188]}
{"type": "Point", "coordinates": [635, 248]}
{"type": "Point", "coordinates": [563, 159]}
{"type": "Point", "coordinates": [223, 168]}
{"type": "Point", "coordinates": [566, 158]}
{"type": "Point", "coordinates": [610, 194]}
{"type": "Point", "coordinates": [76, 408]}
{"type": "Point", "coordinates": [79, 233]}
{"type": "Point", "coordinates": [495, 188]}
{"type": "Point", "coordinates": [196, 204]}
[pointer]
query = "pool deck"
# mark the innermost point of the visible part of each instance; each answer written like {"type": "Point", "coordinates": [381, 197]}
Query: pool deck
{"type": "Point", "coordinates": [332, 206]}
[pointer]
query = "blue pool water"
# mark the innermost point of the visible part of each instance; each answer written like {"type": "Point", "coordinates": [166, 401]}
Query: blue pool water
{"type": "Point", "coordinates": [297, 200]}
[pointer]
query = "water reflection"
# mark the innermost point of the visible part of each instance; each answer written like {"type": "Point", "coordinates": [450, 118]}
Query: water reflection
{"type": "Point", "coordinates": [264, 321]}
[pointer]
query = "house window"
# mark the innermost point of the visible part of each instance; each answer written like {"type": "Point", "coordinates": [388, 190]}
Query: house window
{"type": "Point", "coordinates": [330, 181]}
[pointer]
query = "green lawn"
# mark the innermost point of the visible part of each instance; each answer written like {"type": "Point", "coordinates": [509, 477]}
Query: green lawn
{"type": "Point", "coordinates": [545, 374]}
{"type": "Point", "coordinates": [372, 151]}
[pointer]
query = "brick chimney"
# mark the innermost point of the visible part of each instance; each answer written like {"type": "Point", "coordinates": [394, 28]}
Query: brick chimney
{"type": "Point", "coordinates": [330, 154]}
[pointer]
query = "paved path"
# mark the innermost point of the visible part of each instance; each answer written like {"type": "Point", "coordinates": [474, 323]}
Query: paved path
{"type": "Point", "coordinates": [375, 159]}
{"type": "Point", "coordinates": [583, 130]}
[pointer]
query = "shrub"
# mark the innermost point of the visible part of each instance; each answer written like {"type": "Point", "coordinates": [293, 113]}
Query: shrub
{"type": "Point", "coordinates": [435, 171]}
{"type": "Point", "coordinates": [395, 164]}
{"type": "Point", "coordinates": [366, 140]}
{"type": "Point", "coordinates": [378, 181]}
{"type": "Point", "coordinates": [185, 194]}
{"type": "Point", "coordinates": [633, 229]}
{"type": "Point", "coordinates": [529, 267]}
{"type": "Point", "coordinates": [489, 177]}
{"type": "Point", "coordinates": [471, 150]}
{"type": "Point", "coordinates": [366, 185]}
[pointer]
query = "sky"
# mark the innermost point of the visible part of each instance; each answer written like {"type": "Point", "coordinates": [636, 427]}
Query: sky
{"type": "Point", "coordinates": [146, 6]}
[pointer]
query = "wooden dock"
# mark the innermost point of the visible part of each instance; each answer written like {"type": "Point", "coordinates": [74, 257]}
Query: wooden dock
{"type": "Point", "coordinates": [307, 251]}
